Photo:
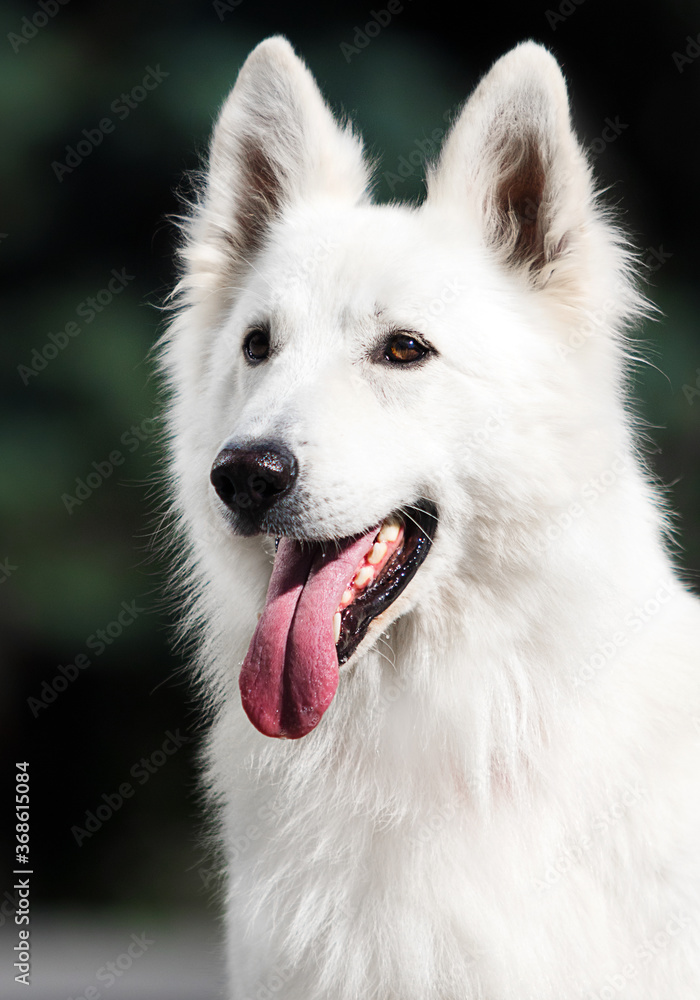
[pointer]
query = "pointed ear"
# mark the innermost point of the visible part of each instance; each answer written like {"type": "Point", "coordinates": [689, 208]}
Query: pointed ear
{"type": "Point", "coordinates": [275, 143]}
{"type": "Point", "coordinates": [513, 163]}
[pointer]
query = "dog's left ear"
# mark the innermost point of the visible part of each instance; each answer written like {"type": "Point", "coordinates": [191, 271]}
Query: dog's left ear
{"type": "Point", "coordinates": [512, 162]}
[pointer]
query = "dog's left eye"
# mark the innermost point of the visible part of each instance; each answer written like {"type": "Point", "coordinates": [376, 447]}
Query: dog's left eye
{"type": "Point", "coordinates": [256, 345]}
{"type": "Point", "coordinates": [403, 349]}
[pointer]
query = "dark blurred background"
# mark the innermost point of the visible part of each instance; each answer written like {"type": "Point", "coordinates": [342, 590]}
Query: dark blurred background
{"type": "Point", "coordinates": [93, 696]}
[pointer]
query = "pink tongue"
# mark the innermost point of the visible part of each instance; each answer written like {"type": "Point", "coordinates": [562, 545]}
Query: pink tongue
{"type": "Point", "coordinates": [290, 673]}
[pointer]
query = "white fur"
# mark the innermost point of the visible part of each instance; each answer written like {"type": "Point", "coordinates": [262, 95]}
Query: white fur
{"type": "Point", "coordinates": [414, 845]}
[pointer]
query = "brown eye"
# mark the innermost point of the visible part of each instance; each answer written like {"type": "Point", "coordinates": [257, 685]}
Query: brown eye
{"type": "Point", "coordinates": [402, 349]}
{"type": "Point", "coordinates": [256, 345]}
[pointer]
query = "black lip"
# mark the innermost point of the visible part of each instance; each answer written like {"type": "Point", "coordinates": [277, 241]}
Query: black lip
{"type": "Point", "coordinates": [420, 521]}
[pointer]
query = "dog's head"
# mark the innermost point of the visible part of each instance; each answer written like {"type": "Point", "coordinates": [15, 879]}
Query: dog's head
{"type": "Point", "coordinates": [375, 386]}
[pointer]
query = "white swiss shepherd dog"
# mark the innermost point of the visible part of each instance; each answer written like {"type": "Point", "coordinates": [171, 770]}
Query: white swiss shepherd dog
{"type": "Point", "coordinates": [422, 549]}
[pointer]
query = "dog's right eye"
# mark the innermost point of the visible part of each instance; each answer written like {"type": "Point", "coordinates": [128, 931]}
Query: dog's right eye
{"type": "Point", "coordinates": [404, 349]}
{"type": "Point", "coordinates": [256, 345]}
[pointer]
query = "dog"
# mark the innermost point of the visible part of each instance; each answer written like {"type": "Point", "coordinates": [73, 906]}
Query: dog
{"type": "Point", "coordinates": [452, 669]}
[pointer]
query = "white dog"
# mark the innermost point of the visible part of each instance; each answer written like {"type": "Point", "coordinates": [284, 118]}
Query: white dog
{"type": "Point", "coordinates": [471, 635]}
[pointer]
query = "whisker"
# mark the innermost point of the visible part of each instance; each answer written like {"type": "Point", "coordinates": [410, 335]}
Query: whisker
{"type": "Point", "coordinates": [387, 643]}
{"type": "Point", "coordinates": [408, 517]}
{"type": "Point", "coordinates": [421, 510]}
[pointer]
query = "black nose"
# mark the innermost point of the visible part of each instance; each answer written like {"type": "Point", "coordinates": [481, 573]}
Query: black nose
{"type": "Point", "coordinates": [253, 477]}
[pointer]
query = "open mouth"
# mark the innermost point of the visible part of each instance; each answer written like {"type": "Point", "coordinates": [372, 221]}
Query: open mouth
{"type": "Point", "coordinates": [320, 603]}
{"type": "Point", "coordinates": [400, 546]}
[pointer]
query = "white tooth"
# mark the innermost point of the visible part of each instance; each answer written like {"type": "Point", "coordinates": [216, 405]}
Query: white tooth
{"type": "Point", "coordinates": [363, 576]}
{"type": "Point", "coordinates": [389, 532]}
{"type": "Point", "coordinates": [347, 597]}
{"type": "Point", "coordinates": [336, 626]}
{"type": "Point", "coordinates": [377, 554]}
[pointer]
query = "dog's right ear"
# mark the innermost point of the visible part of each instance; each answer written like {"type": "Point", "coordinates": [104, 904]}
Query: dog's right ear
{"type": "Point", "coordinates": [513, 164]}
{"type": "Point", "coordinates": [276, 143]}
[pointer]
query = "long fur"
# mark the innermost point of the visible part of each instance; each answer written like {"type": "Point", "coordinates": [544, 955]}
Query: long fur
{"type": "Point", "coordinates": [502, 800]}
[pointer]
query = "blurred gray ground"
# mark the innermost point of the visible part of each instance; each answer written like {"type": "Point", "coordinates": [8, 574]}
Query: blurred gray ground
{"type": "Point", "coordinates": [72, 951]}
